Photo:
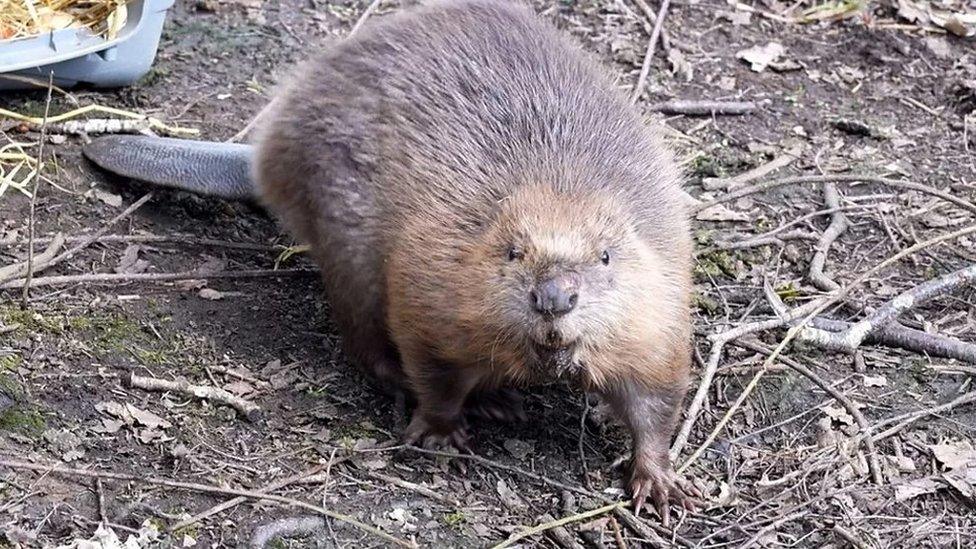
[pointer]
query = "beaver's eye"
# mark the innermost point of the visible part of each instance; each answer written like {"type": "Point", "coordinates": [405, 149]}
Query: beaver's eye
{"type": "Point", "coordinates": [515, 253]}
{"type": "Point", "coordinates": [605, 257]}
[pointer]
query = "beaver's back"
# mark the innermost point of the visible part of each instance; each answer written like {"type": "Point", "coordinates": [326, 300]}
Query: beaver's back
{"type": "Point", "coordinates": [445, 109]}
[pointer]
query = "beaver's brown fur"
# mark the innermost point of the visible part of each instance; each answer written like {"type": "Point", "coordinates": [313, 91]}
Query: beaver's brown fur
{"type": "Point", "coordinates": [458, 168]}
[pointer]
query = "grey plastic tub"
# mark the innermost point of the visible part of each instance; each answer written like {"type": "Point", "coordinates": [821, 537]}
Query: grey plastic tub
{"type": "Point", "coordinates": [78, 57]}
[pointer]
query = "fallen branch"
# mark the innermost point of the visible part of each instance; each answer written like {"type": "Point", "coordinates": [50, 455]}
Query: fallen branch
{"type": "Point", "coordinates": [850, 339]}
{"type": "Point", "coordinates": [838, 225]}
{"type": "Point", "coordinates": [781, 161]}
{"type": "Point", "coordinates": [155, 277]}
{"type": "Point", "coordinates": [719, 341]}
{"type": "Point", "coordinates": [895, 335]}
{"type": "Point", "coordinates": [836, 178]}
{"type": "Point", "coordinates": [231, 503]}
{"type": "Point", "coordinates": [31, 266]}
{"type": "Point", "coordinates": [154, 123]}
{"type": "Point", "coordinates": [251, 411]}
{"type": "Point", "coordinates": [627, 517]}
{"type": "Point", "coordinates": [183, 239]}
{"type": "Point", "coordinates": [54, 246]}
{"type": "Point", "coordinates": [413, 487]}
{"type": "Point", "coordinates": [649, 54]}
{"type": "Point", "coordinates": [71, 252]}
{"type": "Point", "coordinates": [904, 420]}
{"type": "Point", "coordinates": [205, 489]}
{"type": "Point", "coordinates": [704, 108]}
{"type": "Point", "coordinates": [559, 522]}
{"type": "Point", "coordinates": [852, 409]}
{"type": "Point", "coordinates": [807, 312]}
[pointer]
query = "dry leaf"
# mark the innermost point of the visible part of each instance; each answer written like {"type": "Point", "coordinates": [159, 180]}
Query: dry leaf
{"type": "Point", "coordinates": [113, 200]}
{"type": "Point", "coordinates": [719, 212]}
{"type": "Point", "coordinates": [130, 263]}
{"type": "Point", "coordinates": [146, 418]}
{"type": "Point", "coordinates": [837, 413]}
{"type": "Point", "coordinates": [875, 381]}
{"type": "Point", "coordinates": [954, 455]}
{"type": "Point", "coordinates": [760, 57]}
{"type": "Point", "coordinates": [915, 488]}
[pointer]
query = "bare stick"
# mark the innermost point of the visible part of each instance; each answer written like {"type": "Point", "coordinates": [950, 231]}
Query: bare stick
{"type": "Point", "coordinates": [838, 225]}
{"type": "Point", "coordinates": [836, 178]}
{"type": "Point", "coordinates": [156, 277]}
{"type": "Point", "coordinates": [719, 341]}
{"type": "Point", "coordinates": [54, 246]}
{"type": "Point", "coordinates": [850, 339]}
{"type": "Point", "coordinates": [779, 240]}
{"type": "Point", "coordinates": [842, 399]}
{"type": "Point", "coordinates": [370, 9]}
{"type": "Point", "coordinates": [849, 537]}
{"type": "Point", "coordinates": [205, 489]}
{"type": "Point", "coordinates": [651, 20]}
{"type": "Point", "coordinates": [413, 487]}
{"type": "Point", "coordinates": [231, 503]}
{"type": "Point", "coordinates": [649, 54]}
{"type": "Point", "coordinates": [559, 522]}
{"type": "Point", "coordinates": [36, 179]}
{"type": "Point", "coordinates": [905, 420]}
{"type": "Point", "coordinates": [781, 161]}
{"type": "Point", "coordinates": [182, 239]}
{"type": "Point", "coordinates": [561, 536]}
{"type": "Point", "coordinates": [246, 408]}
{"type": "Point", "coordinates": [810, 310]}
{"type": "Point", "coordinates": [625, 514]}
{"type": "Point", "coordinates": [704, 108]}
{"type": "Point", "coordinates": [71, 252]}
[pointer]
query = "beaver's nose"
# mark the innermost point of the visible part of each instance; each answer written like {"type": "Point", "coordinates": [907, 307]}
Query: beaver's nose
{"type": "Point", "coordinates": [555, 296]}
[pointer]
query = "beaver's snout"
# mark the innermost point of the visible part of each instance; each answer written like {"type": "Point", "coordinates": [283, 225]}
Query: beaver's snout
{"type": "Point", "coordinates": [555, 296]}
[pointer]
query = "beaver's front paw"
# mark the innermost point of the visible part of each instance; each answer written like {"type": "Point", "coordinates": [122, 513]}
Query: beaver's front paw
{"type": "Point", "coordinates": [433, 433]}
{"type": "Point", "coordinates": [500, 405]}
{"type": "Point", "coordinates": [650, 479]}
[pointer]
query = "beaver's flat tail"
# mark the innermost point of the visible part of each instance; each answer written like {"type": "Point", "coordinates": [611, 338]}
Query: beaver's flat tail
{"type": "Point", "coordinates": [203, 167]}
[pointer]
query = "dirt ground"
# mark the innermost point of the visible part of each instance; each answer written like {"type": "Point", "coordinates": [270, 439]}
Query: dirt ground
{"type": "Point", "coordinates": [866, 95]}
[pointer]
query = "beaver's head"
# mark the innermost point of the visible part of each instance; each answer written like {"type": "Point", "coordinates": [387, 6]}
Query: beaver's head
{"type": "Point", "coordinates": [564, 272]}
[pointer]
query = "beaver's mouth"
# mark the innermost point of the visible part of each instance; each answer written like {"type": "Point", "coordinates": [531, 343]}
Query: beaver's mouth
{"type": "Point", "coordinates": [555, 357]}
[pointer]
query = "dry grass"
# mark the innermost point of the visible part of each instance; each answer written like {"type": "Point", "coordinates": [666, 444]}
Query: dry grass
{"type": "Point", "coordinates": [24, 18]}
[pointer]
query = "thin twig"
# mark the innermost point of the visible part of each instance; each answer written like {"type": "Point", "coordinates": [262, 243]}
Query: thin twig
{"type": "Point", "coordinates": [54, 246]}
{"type": "Point", "coordinates": [558, 522]}
{"type": "Point", "coordinates": [904, 420]}
{"type": "Point", "coordinates": [704, 108]}
{"type": "Point", "coordinates": [649, 54]}
{"type": "Point", "coordinates": [719, 341]}
{"type": "Point", "coordinates": [249, 410]}
{"type": "Point", "coordinates": [370, 9]}
{"type": "Point", "coordinates": [157, 277]}
{"type": "Point", "coordinates": [781, 161]}
{"type": "Point", "coordinates": [205, 489]}
{"type": "Point", "coordinates": [838, 225]}
{"type": "Point", "coordinates": [231, 503]}
{"type": "Point", "coordinates": [626, 516]}
{"type": "Point", "coordinates": [413, 487]}
{"type": "Point", "coordinates": [809, 312]}
{"type": "Point", "coordinates": [836, 178]}
{"type": "Point", "coordinates": [71, 252]}
{"type": "Point", "coordinates": [852, 409]}
{"type": "Point", "coordinates": [36, 180]}
{"type": "Point", "coordinates": [182, 239]}
{"type": "Point", "coordinates": [850, 339]}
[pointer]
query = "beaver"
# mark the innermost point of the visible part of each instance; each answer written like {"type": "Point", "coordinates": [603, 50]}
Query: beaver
{"type": "Point", "coordinates": [487, 211]}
